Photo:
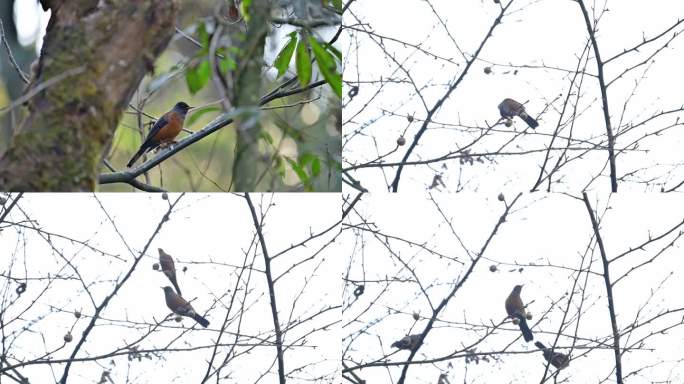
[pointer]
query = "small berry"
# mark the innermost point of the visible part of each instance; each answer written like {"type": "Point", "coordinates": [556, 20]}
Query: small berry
{"type": "Point", "coordinates": [416, 316]}
{"type": "Point", "coordinates": [501, 197]}
{"type": "Point", "coordinates": [401, 140]}
{"type": "Point", "coordinates": [77, 314]}
{"type": "Point", "coordinates": [68, 338]}
{"type": "Point", "coordinates": [528, 316]}
{"type": "Point", "coordinates": [165, 196]}
{"type": "Point", "coordinates": [155, 266]}
{"type": "Point", "coordinates": [487, 70]}
{"type": "Point", "coordinates": [179, 318]}
{"type": "Point", "coordinates": [492, 268]}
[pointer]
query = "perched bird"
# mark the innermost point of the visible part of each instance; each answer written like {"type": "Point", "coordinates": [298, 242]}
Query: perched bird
{"type": "Point", "coordinates": [164, 130]}
{"type": "Point", "coordinates": [510, 108]}
{"type": "Point", "coordinates": [557, 359]}
{"type": "Point", "coordinates": [169, 269]}
{"type": "Point", "coordinates": [181, 307]}
{"type": "Point", "coordinates": [407, 342]}
{"type": "Point", "coordinates": [516, 309]}
{"type": "Point", "coordinates": [443, 379]}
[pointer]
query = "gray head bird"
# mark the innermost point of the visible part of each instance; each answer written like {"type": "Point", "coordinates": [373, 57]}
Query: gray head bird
{"type": "Point", "coordinates": [181, 307]}
{"type": "Point", "coordinates": [557, 359]}
{"type": "Point", "coordinates": [516, 309]}
{"type": "Point", "coordinates": [510, 108]}
{"type": "Point", "coordinates": [408, 342]}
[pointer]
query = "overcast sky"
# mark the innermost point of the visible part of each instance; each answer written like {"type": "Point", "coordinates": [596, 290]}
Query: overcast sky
{"type": "Point", "coordinates": [540, 245]}
{"type": "Point", "coordinates": [533, 34]}
{"type": "Point", "coordinates": [208, 234]}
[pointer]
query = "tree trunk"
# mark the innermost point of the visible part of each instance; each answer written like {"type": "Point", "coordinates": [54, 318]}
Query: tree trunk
{"type": "Point", "coordinates": [94, 56]}
{"type": "Point", "coordinates": [247, 91]}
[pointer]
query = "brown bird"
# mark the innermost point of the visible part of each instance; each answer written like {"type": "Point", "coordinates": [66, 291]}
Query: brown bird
{"type": "Point", "coordinates": [164, 131]}
{"type": "Point", "coordinates": [181, 307]}
{"type": "Point", "coordinates": [516, 309]}
{"type": "Point", "coordinates": [557, 359]}
{"type": "Point", "coordinates": [407, 342]}
{"type": "Point", "coordinates": [510, 108]}
{"type": "Point", "coordinates": [169, 269]}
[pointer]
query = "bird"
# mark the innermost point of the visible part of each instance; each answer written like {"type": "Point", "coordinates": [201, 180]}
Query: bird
{"type": "Point", "coordinates": [557, 359]}
{"type": "Point", "coordinates": [181, 307]}
{"type": "Point", "coordinates": [510, 108]}
{"type": "Point", "coordinates": [516, 309]}
{"type": "Point", "coordinates": [409, 342]}
{"type": "Point", "coordinates": [164, 130]}
{"type": "Point", "coordinates": [169, 269]}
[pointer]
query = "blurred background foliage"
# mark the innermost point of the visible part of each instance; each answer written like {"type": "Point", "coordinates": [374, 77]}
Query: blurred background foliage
{"type": "Point", "coordinates": [301, 143]}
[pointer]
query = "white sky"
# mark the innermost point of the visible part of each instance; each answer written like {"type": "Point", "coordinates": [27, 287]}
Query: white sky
{"type": "Point", "coordinates": [541, 230]}
{"type": "Point", "coordinates": [208, 234]}
{"type": "Point", "coordinates": [533, 33]}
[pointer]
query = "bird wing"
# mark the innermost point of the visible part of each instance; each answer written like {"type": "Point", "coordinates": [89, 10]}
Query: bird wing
{"type": "Point", "coordinates": [166, 262]}
{"type": "Point", "coordinates": [179, 305]}
{"type": "Point", "coordinates": [155, 129]}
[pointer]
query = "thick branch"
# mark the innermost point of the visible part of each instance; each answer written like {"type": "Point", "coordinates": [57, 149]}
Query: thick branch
{"type": "Point", "coordinates": [69, 125]}
{"type": "Point", "coordinates": [609, 291]}
{"type": "Point", "coordinates": [604, 97]}
{"type": "Point", "coordinates": [271, 291]}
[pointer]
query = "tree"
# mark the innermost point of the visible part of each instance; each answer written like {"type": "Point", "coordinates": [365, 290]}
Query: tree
{"type": "Point", "coordinates": [421, 111]}
{"type": "Point", "coordinates": [600, 280]}
{"type": "Point", "coordinates": [83, 300]}
{"type": "Point", "coordinates": [95, 61]}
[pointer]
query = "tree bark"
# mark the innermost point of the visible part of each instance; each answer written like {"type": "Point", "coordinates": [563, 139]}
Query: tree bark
{"type": "Point", "coordinates": [247, 91]}
{"type": "Point", "coordinates": [94, 56]}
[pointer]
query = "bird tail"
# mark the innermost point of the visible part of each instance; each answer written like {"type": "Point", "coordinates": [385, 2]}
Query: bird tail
{"type": "Point", "coordinates": [524, 328]}
{"type": "Point", "coordinates": [136, 157]}
{"type": "Point", "coordinates": [529, 120]}
{"type": "Point", "coordinates": [539, 345]}
{"type": "Point", "coordinates": [175, 285]}
{"type": "Point", "coordinates": [201, 320]}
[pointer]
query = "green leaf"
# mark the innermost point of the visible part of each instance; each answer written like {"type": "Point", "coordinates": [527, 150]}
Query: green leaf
{"type": "Point", "coordinates": [227, 64]}
{"type": "Point", "coordinates": [280, 166]}
{"type": "Point", "coordinates": [313, 161]}
{"type": "Point", "coordinates": [303, 63]}
{"type": "Point", "coordinates": [334, 51]}
{"type": "Point", "coordinates": [303, 177]}
{"type": "Point", "coordinates": [315, 167]}
{"type": "Point", "coordinates": [197, 113]}
{"type": "Point", "coordinates": [198, 76]}
{"type": "Point", "coordinates": [306, 158]}
{"type": "Point", "coordinates": [244, 9]}
{"type": "Point", "coordinates": [203, 36]}
{"type": "Point", "coordinates": [282, 62]}
{"type": "Point", "coordinates": [267, 136]}
{"type": "Point", "coordinates": [327, 66]}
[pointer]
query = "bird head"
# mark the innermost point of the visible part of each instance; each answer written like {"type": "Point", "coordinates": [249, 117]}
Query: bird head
{"type": "Point", "coordinates": [167, 290]}
{"type": "Point", "coordinates": [181, 107]}
{"type": "Point", "coordinates": [517, 288]}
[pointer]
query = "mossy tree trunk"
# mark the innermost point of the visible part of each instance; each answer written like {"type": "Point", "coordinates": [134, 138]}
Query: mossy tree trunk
{"type": "Point", "coordinates": [94, 55]}
{"type": "Point", "coordinates": [247, 93]}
